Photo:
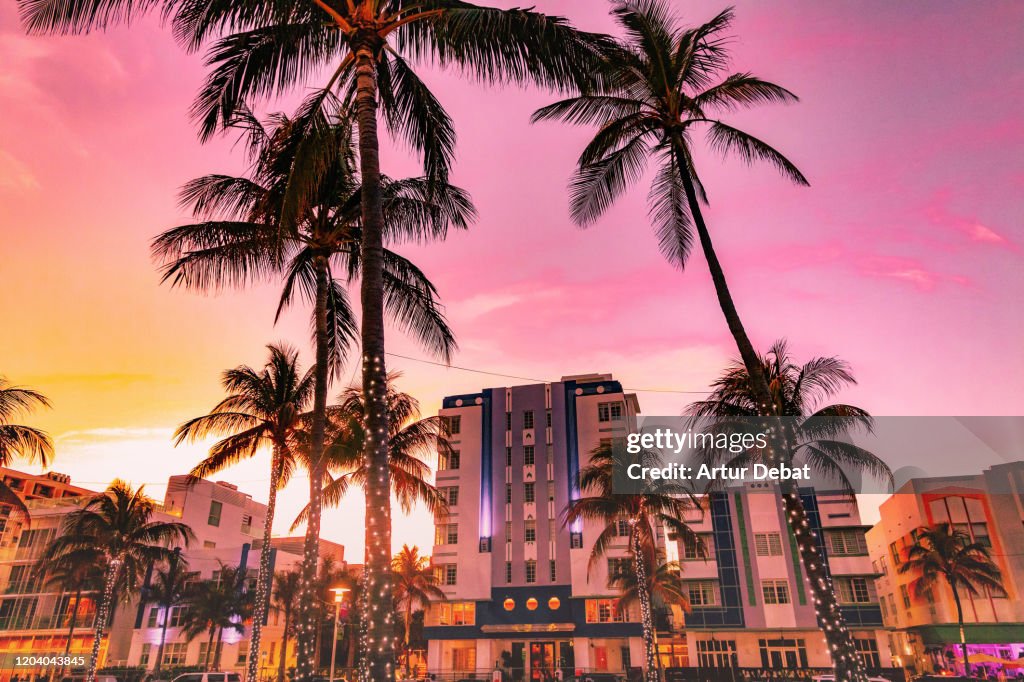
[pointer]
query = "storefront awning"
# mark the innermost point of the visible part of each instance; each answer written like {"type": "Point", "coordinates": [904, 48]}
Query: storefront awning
{"type": "Point", "coordinates": [974, 633]}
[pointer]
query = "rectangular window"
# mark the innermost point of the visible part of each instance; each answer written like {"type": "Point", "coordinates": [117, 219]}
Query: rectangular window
{"type": "Point", "coordinates": [696, 548]}
{"type": "Point", "coordinates": [619, 567]}
{"type": "Point", "coordinates": [154, 618]}
{"type": "Point", "coordinates": [530, 531]}
{"type": "Point", "coordinates": [853, 590]}
{"type": "Point", "coordinates": [455, 424]}
{"type": "Point", "coordinates": [622, 528]}
{"type": "Point", "coordinates": [905, 593]}
{"type": "Point", "coordinates": [528, 419]}
{"type": "Point", "coordinates": [528, 492]}
{"type": "Point", "coordinates": [446, 534]}
{"type": "Point", "coordinates": [508, 493]}
{"type": "Point", "coordinates": [508, 457]}
{"type": "Point", "coordinates": [553, 567]}
{"type": "Point", "coordinates": [451, 495]}
{"type": "Point", "coordinates": [717, 653]}
{"type": "Point", "coordinates": [508, 421]}
{"type": "Point", "coordinates": [846, 542]}
{"type": "Point", "coordinates": [528, 456]}
{"type": "Point", "coordinates": [867, 650]}
{"type": "Point", "coordinates": [448, 460]}
{"type": "Point", "coordinates": [178, 616]}
{"type": "Point", "coordinates": [508, 572]}
{"type": "Point", "coordinates": [144, 656]}
{"type": "Point", "coordinates": [548, 418]}
{"type": "Point", "coordinates": [551, 491]}
{"type": "Point", "coordinates": [508, 531]}
{"type": "Point", "coordinates": [775, 591]}
{"type": "Point", "coordinates": [243, 652]}
{"type": "Point", "coordinates": [702, 592]}
{"type": "Point", "coordinates": [451, 574]}
{"type": "Point", "coordinates": [215, 511]}
{"type": "Point", "coordinates": [531, 571]}
{"type": "Point", "coordinates": [603, 611]}
{"type": "Point", "coordinates": [609, 412]}
{"type": "Point", "coordinates": [894, 552]}
{"type": "Point", "coordinates": [456, 613]}
{"type": "Point", "coordinates": [174, 653]}
{"type": "Point", "coordinates": [768, 544]}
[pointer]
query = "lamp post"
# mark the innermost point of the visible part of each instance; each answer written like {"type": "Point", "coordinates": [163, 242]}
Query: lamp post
{"type": "Point", "coordinates": [339, 597]}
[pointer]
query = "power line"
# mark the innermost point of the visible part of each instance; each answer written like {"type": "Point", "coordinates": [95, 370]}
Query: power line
{"type": "Point", "coordinates": [535, 380]}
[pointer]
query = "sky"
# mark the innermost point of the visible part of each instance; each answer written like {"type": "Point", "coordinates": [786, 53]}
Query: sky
{"type": "Point", "coordinates": [903, 256]}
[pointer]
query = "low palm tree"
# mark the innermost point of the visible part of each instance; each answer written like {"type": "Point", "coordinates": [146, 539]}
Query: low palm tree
{"type": "Point", "coordinates": [943, 553]}
{"type": "Point", "coordinates": [215, 605]}
{"type": "Point", "coordinates": [812, 430]}
{"type": "Point", "coordinates": [21, 441]}
{"type": "Point", "coordinates": [662, 85]}
{"type": "Point", "coordinates": [285, 596]}
{"type": "Point", "coordinates": [416, 585]}
{"type": "Point", "coordinates": [664, 584]}
{"type": "Point", "coordinates": [75, 574]}
{"type": "Point", "coordinates": [168, 589]}
{"type": "Point", "coordinates": [117, 523]}
{"type": "Point", "coordinates": [664, 505]}
{"type": "Point", "coordinates": [263, 409]}
{"type": "Point", "coordinates": [411, 439]}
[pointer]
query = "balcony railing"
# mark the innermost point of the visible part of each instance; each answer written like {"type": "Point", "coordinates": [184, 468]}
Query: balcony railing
{"type": "Point", "coordinates": [45, 622]}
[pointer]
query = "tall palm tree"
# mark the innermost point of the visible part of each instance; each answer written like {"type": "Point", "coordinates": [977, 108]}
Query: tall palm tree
{"type": "Point", "coordinates": [814, 431]}
{"type": "Point", "coordinates": [416, 585]}
{"type": "Point", "coordinates": [119, 524]}
{"type": "Point", "coordinates": [168, 589]}
{"type": "Point", "coordinates": [20, 441]}
{"type": "Point", "coordinates": [298, 213]}
{"type": "Point", "coordinates": [286, 592]}
{"type": "Point", "coordinates": [662, 506]}
{"type": "Point", "coordinates": [945, 553]}
{"type": "Point", "coordinates": [663, 584]}
{"type": "Point", "coordinates": [663, 84]}
{"type": "Point", "coordinates": [215, 605]}
{"type": "Point", "coordinates": [262, 409]}
{"type": "Point", "coordinates": [410, 439]}
{"type": "Point", "coordinates": [76, 574]}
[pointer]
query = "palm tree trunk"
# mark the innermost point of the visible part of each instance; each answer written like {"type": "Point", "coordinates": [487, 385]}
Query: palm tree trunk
{"type": "Point", "coordinates": [646, 617]}
{"type": "Point", "coordinates": [110, 579]}
{"type": "Point", "coordinates": [353, 645]}
{"type": "Point", "coordinates": [308, 628]}
{"type": "Point", "coordinates": [960, 622]}
{"type": "Point", "coordinates": [379, 656]}
{"type": "Point", "coordinates": [283, 663]}
{"type": "Point", "coordinates": [408, 626]}
{"type": "Point", "coordinates": [843, 650]}
{"type": "Point", "coordinates": [732, 317]}
{"type": "Point", "coordinates": [217, 649]}
{"type": "Point", "coordinates": [163, 640]}
{"type": "Point", "coordinates": [71, 626]}
{"type": "Point", "coordinates": [209, 647]}
{"type": "Point", "coordinates": [264, 576]}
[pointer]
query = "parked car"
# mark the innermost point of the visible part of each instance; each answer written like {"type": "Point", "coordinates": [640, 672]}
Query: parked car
{"type": "Point", "coordinates": [208, 677]}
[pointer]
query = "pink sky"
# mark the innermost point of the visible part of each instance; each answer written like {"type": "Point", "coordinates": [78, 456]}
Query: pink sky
{"type": "Point", "coordinates": [903, 257]}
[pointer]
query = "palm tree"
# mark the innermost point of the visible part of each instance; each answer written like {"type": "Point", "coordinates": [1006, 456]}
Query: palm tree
{"type": "Point", "coordinates": [662, 85]}
{"type": "Point", "coordinates": [20, 441]}
{"type": "Point", "coordinates": [410, 438]}
{"type": "Point", "coordinates": [262, 409]}
{"type": "Point", "coordinates": [169, 589]}
{"type": "Point", "coordinates": [945, 553]}
{"type": "Point", "coordinates": [75, 573]}
{"type": "Point", "coordinates": [286, 592]}
{"type": "Point", "coordinates": [298, 213]}
{"type": "Point", "coordinates": [814, 431]}
{"type": "Point", "coordinates": [663, 584]}
{"type": "Point", "coordinates": [416, 585]}
{"type": "Point", "coordinates": [662, 506]}
{"type": "Point", "coordinates": [119, 524]}
{"type": "Point", "coordinates": [221, 603]}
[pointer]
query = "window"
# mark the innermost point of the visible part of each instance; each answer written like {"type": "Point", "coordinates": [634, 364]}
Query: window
{"type": "Point", "coordinates": [717, 653]}
{"type": "Point", "coordinates": [243, 652]}
{"type": "Point", "coordinates": [905, 593]}
{"type": "Point", "coordinates": [768, 544]}
{"type": "Point", "coordinates": [154, 618]}
{"type": "Point", "coordinates": [609, 412]}
{"type": "Point", "coordinates": [209, 544]}
{"type": "Point", "coordinates": [531, 571]}
{"type": "Point", "coordinates": [854, 590]}
{"type": "Point", "coordinates": [783, 653]}
{"type": "Point", "coordinates": [448, 460]}
{"type": "Point", "coordinates": [603, 611]}
{"type": "Point", "coordinates": [174, 653]}
{"type": "Point", "coordinates": [446, 574]}
{"type": "Point", "coordinates": [775, 591]}
{"type": "Point", "coordinates": [508, 493]}
{"type": "Point", "coordinates": [622, 528]}
{"type": "Point", "coordinates": [867, 650]}
{"type": "Point", "coordinates": [697, 548]}
{"type": "Point", "coordinates": [673, 654]}
{"type": "Point", "coordinates": [846, 542]}
{"type": "Point", "coordinates": [464, 657]}
{"type": "Point", "coordinates": [529, 495]}
{"type": "Point", "coordinates": [530, 531]}
{"type": "Point", "coordinates": [456, 613]}
{"type": "Point", "coordinates": [508, 531]}
{"type": "Point", "coordinates": [508, 572]}
{"type": "Point", "coordinates": [451, 495]}
{"type": "Point", "coordinates": [548, 419]}
{"type": "Point", "coordinates": [894, 552]}
{"type": "Point", "coordinates": [528, 456]}
{"type": "Point", "coordinates": [575, 540]}
{"type": "Point", "coordinates": [508, 456]}
{"type": "Point", "coordinates": [215, 510]}
{"type": "Point", "coordinates": [619, 566]}
{"type": "Point", "coordinates": [553, 567]}
{"type": "Point", "coordinates": [454, 424]}
{"type": "Point", "coordinates": [144, 656]}
{"type": "Point", "coordinates": [551, 491]}
{"type": "Point", "coordinates": [702, 592]}
{"type": "Point", "coordinates": [508, 421]}
{"type": "Point", "coordinates": [446, 534]}
{"type": "Point", "coordinates": [528, 419]}
{"type": "Point", "coordinates": [178, 616]}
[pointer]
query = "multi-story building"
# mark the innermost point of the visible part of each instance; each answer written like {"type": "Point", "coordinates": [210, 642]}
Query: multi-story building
{"type": "Point", "coordinates": [924, 633]}
{"type": "Point", "coordinates": [48, 486]}
{"type": "Point", "coordinates": [752, 606]}
{"type": "Point", "coordinates": [518, 584]}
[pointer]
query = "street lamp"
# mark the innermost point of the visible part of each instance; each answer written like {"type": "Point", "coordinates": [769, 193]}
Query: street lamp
{"type": "Point", "coordinates": [339, 597]}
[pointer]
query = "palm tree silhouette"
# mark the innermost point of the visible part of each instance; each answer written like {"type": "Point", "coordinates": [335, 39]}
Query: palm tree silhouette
{"type": "Point", "coordinates": [286, 592]}
{"type": "Point", "coordinates": [215, 605]}
{"type": "Point", "coordinates": [416, 585]}
{"type": "Point", "coordinates": [661, 85]}
{"type": "Point", "coordinates": [943, 553]}
{"type": "Point", "coordinates": [17, 440]}
{"type": "Point", "coordinates": [168, 589]}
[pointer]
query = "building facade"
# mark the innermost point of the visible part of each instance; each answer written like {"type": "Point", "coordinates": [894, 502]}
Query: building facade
{"type": "Point", "coordinates": [924, 634]}
{"type": "Point", "coordinates": [519, 591]}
